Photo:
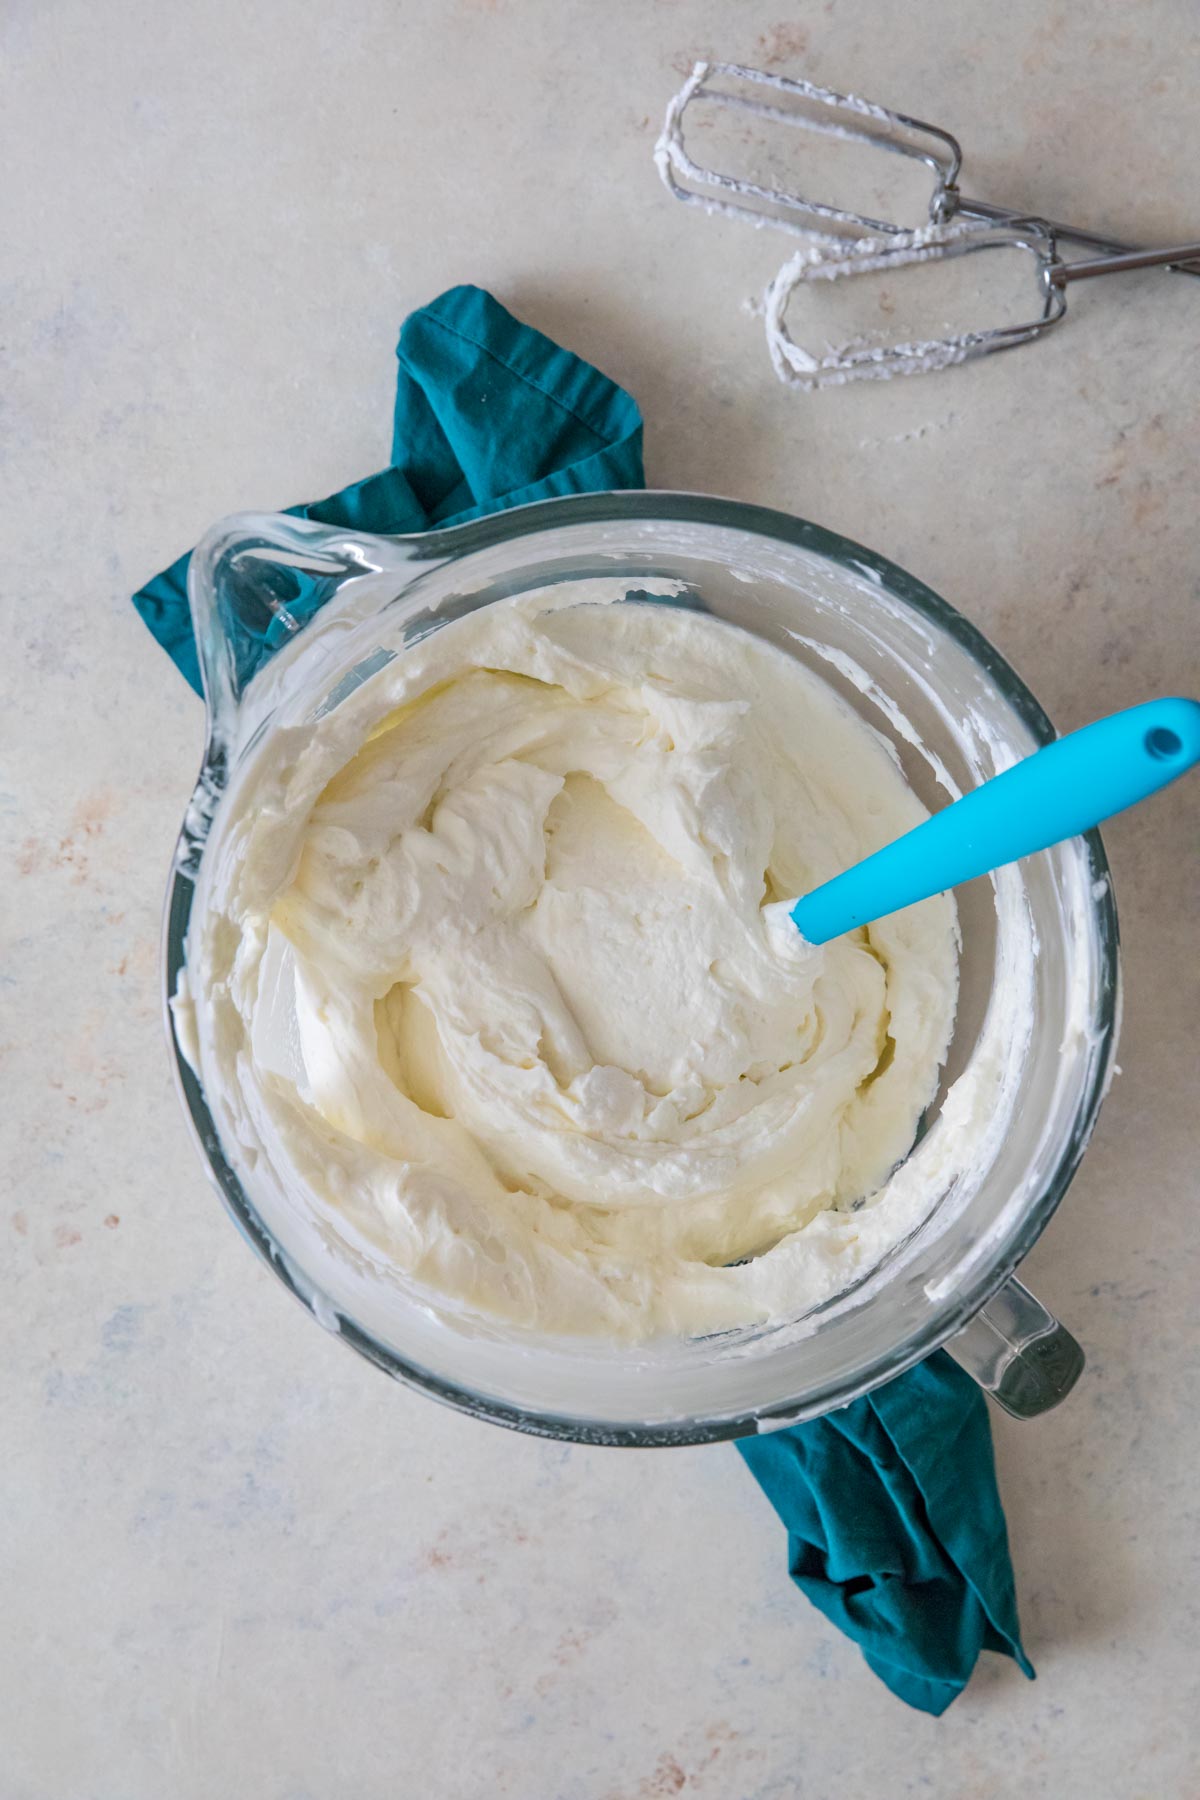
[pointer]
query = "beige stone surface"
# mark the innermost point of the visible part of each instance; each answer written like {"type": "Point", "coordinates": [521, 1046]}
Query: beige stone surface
{"type": "Point", "coordinates": [233, 1558]}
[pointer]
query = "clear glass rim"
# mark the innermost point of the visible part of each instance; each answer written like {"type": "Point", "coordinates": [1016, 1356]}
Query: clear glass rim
{"type": "Point", "coordinates": [455, 542]}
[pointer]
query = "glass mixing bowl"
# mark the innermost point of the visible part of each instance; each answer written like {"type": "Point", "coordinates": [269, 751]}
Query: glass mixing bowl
{"type": "Point", "coordinates": [291, 617]}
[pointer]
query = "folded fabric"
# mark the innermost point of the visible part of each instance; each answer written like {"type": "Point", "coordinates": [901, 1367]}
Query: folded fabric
{"type": "Point", "coordinates": [891, 1505]}
{"type": "Point", "coordinates": [489, 414]}
{"type": "Point", "coordinates": [895, 1528]}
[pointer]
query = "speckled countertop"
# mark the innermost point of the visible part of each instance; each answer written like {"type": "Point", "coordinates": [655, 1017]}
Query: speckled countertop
{"type": "Point", "coordinates": [234, 1559]}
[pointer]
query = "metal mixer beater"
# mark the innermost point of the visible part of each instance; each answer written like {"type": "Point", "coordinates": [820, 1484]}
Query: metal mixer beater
{"type": "Point", "coordinates": [842, 241]}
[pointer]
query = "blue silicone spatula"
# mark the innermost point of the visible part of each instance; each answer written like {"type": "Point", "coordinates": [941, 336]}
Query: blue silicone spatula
{"type": "Point", "coordinates": [1066, 788]}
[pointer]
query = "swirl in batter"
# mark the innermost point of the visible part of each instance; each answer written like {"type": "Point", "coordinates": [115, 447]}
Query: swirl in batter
{"type": "Point", "coordinates": [550, 1046]}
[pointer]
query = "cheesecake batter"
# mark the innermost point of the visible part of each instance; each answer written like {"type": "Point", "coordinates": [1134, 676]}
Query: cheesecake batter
{"type": "Point", "coordinates": [497, 971]}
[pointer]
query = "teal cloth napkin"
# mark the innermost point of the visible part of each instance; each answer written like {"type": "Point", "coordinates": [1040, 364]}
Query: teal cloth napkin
{"type": "Point", "coordinates": [489, 414]}
{"type": "Point", "coordinates": [893, 1515]}
{"type": "Point", "coordinates": [895, 1528]}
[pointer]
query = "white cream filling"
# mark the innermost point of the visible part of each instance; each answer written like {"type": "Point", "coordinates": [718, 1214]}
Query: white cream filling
{"type": "Point", "coordinates": [494, 967]}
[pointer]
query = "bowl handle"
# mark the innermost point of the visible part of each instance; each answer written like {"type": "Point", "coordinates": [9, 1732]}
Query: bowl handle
{"type": "Point", "coordinates": [257, 580]}
{"type": "Point", "coordinates": [1018, 1352]}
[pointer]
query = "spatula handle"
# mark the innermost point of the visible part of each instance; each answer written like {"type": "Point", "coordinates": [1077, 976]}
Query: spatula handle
{"type": "Point", "coordinates": [1061, 790]}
